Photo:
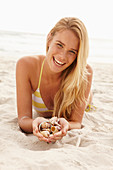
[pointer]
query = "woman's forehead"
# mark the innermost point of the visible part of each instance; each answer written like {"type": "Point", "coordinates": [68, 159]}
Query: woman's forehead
{"type": "Point", "coordinates": [67, 37]}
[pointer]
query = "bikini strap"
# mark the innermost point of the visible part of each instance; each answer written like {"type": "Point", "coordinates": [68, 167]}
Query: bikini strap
{"type": "Point", "coordinates": [41, 74]}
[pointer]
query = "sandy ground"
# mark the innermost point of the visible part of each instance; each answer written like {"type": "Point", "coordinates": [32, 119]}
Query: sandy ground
{"type": "Point", "coordinates": [90, 148]}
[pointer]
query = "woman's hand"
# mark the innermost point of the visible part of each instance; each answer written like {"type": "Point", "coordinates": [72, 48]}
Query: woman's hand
{"type": "Point", "coordinates": [52, 138]}
{"type": "Point", "coordinates": [64, 128]}
{"type": "Point", "coordinates": [35, 126]}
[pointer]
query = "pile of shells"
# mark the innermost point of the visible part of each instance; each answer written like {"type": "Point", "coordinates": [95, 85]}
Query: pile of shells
{"type": "Point", "coordinates": [47, 128]}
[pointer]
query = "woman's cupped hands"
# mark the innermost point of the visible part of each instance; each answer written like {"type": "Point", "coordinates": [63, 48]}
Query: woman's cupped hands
{"type": "Point", "coordinates": [64, 124]}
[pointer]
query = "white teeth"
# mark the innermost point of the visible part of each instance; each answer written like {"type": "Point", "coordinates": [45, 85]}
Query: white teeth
{"type": "Point", "coordinates": [58, 62]}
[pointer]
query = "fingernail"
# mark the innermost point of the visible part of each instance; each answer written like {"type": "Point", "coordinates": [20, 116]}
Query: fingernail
{"type": "Point", "coordinates": [36, 130]}
{"type": "Point", "coordinates": [64, 132]}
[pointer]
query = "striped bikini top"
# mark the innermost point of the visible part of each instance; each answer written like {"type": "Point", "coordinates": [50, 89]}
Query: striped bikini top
{"type": "Point", "coordinates": [37, 100]}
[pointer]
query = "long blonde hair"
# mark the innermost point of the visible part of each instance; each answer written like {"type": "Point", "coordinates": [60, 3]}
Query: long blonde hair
{"type": "Point", "coordinates": [74, 78]}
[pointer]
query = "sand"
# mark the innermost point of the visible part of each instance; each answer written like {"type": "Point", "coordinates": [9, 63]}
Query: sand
{"type": "Point", "coordinates": [90, 148]}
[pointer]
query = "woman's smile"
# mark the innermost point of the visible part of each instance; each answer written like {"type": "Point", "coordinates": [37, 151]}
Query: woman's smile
{"type": "Point", "coordinates": [57, 62]}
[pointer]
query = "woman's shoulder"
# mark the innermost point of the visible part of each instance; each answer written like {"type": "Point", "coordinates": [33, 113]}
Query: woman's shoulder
{"type": "Point", "coordinates": [29, 68]}
{"type": "Point", "coordinates": [89, 69]}
{"type": "Point", "coordinates": [29, 61]}
{"type": "Point", "coordinates": [29, 64]}
{"type": "Point", "coordinates": [90, 72]}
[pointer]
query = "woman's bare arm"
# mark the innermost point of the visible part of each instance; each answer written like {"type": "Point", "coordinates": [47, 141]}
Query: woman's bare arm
{"type": "Point", "coordinates": [24, 93]}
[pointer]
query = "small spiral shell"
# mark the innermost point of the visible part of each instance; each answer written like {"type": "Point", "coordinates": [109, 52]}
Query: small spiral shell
{"type": "Point", "coordinates": [54, 129]}
{"type": "Point", "coordinates": [49, 127]}
{"type": "Point", "coordinates": [45, 133]}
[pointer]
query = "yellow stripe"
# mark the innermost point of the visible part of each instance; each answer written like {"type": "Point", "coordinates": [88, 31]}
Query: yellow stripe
{"type": "Point", "coordinates": [35, 104]}
{"type": "Point", "coordinates": [38, 105]}
{"type": "Point", "coordinates": [41, 73]}
{"type": "Point", "coordinates": [37, 94]}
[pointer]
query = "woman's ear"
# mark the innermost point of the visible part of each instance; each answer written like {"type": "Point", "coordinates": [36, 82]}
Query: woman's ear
{"type": "Point", "coordinates": [49, 38]}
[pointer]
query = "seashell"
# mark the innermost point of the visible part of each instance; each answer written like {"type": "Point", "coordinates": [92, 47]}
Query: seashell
{"type": "Point", "coordinates": [45, 133]}
{"type": "Point", "coordinates": [53, 120]}
{"type": "Point", "coordinates": [57, 124]}
{"type": "Point", "coordinates": [58, 127]}
{"type": "Point", "coordinates": [44, 125]}
{"type": "Point", "coordinates": [49, 127]}
{"type": "Point", "coordinates": [54, 129]}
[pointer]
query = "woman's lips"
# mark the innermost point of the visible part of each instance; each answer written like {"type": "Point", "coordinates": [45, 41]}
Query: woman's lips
{"type": "Point", "coordinates": [57, 62]}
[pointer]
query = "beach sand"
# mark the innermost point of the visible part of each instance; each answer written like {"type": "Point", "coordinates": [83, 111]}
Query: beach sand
{"type": "Point", "coordinates": [89, 148]}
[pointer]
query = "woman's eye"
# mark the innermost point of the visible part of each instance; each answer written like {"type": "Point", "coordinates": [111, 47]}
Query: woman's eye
{"type": "Point", "coordinates": [59, 45]}
{"type": "Point", "coordinates": [72, 52]}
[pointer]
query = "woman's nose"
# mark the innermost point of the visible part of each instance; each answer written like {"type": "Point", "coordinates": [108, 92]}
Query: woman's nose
{"type": "Point", "coordinates": [63, 55]}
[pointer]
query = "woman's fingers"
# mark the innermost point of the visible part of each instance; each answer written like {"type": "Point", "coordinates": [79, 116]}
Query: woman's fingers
{"type": "Point", "coordinates": [57, 136]}
{"type": "Point", "coordinates": [65, 129]}
{"type": "Point", "coordinates": [41, 137]}
{"type": "Point", "coordinates": [35, 126]}
{"type": "Point", "coordinates": [53, 137]}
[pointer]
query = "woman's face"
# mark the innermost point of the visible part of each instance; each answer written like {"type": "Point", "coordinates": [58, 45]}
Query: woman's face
{"type": "Point", "coordinates": [63, 49]}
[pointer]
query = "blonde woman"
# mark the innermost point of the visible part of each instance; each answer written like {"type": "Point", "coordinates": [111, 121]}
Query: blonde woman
{"type": "Point", "coordinates": [56, 85]}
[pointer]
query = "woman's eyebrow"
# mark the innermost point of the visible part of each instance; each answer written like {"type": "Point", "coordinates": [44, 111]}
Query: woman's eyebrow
{"type": "Point", "coordinates": [74, 50]}
{"type": "Point", "coordinates": [64, 45]}
{"type": "Point", "coordinates": [60, 42]}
